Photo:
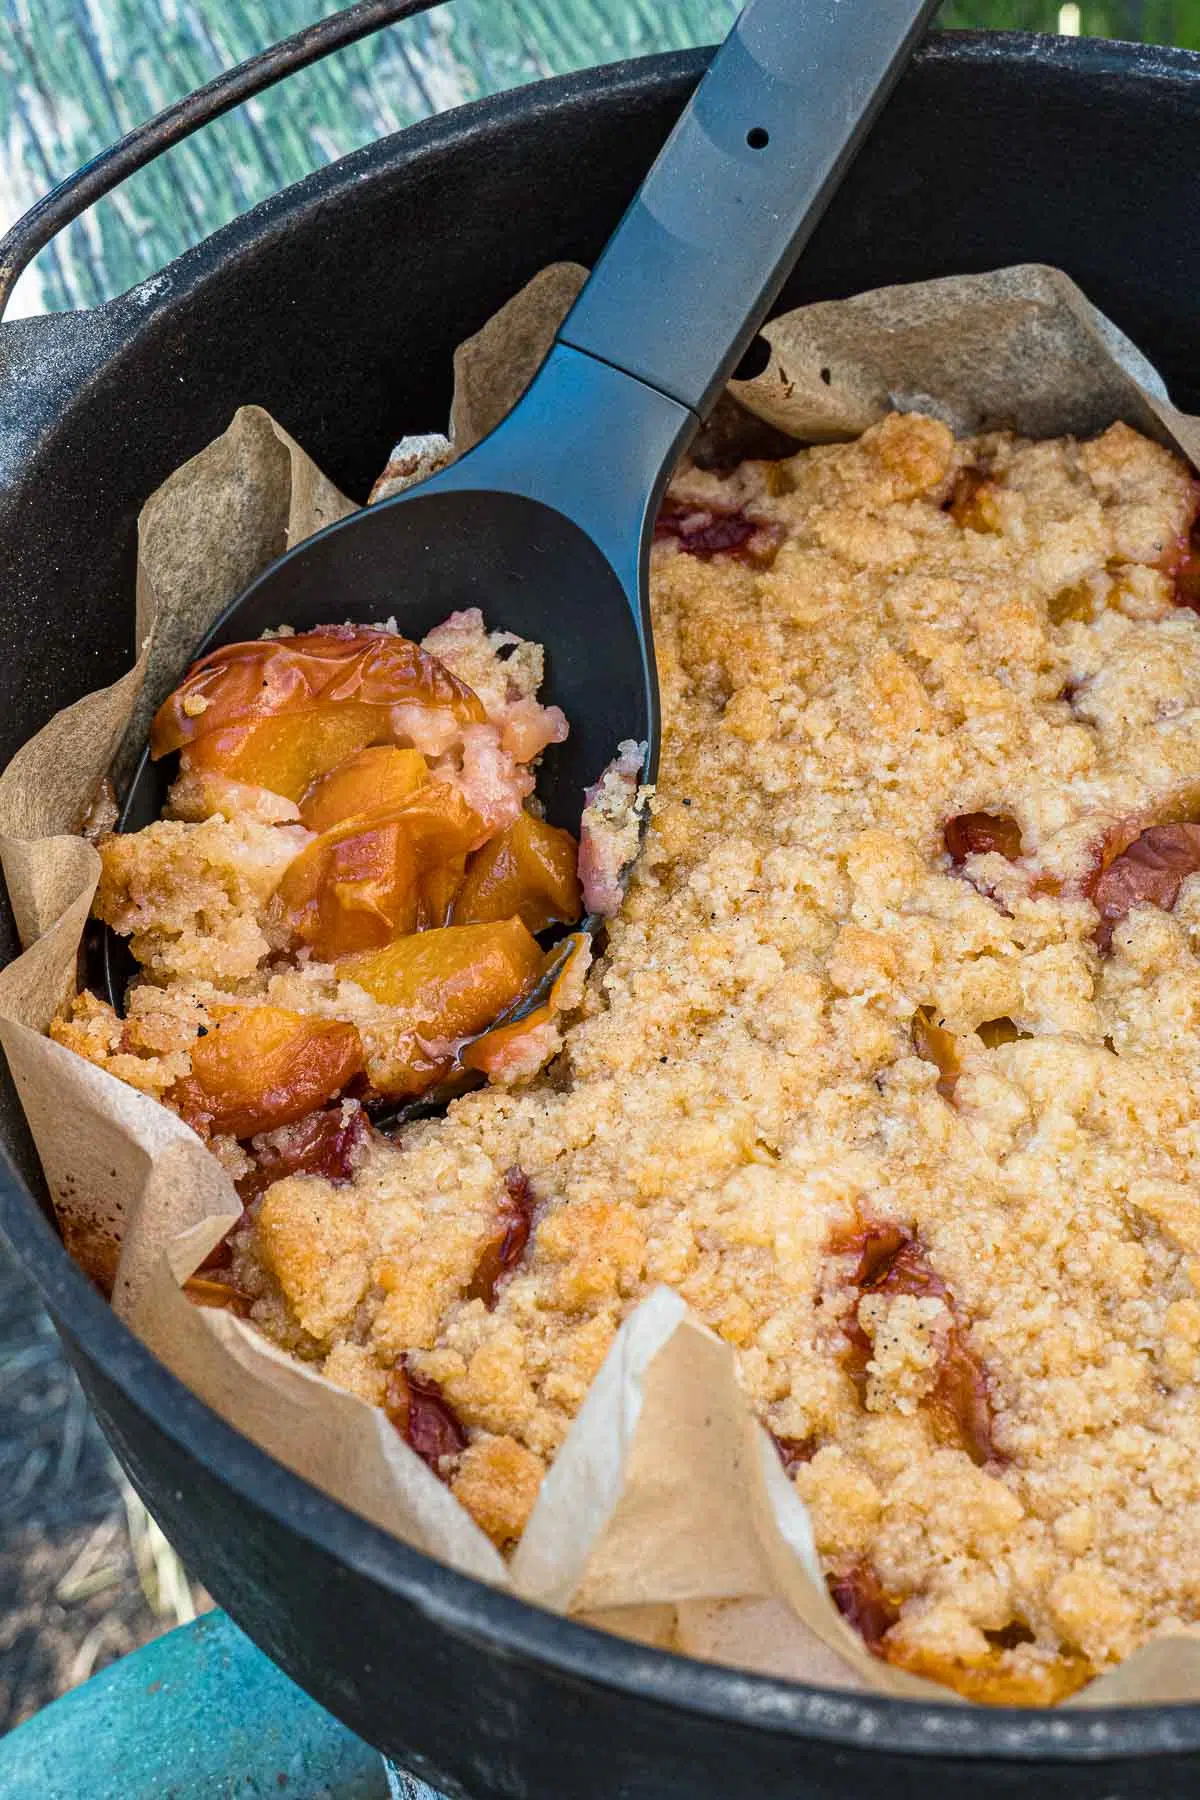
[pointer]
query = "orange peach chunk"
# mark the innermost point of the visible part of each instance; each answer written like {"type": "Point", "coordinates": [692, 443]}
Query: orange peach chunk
{"type": "Point", "coordinates": [281, 712]}
{"type": "Point", "coordinates": [529, 871]}
{"type": "Point", "coordinates": [285, 755]}
{"type": "Point", "coordinates": [379, 875]}
{"type": "Point", "coordinates": [263, 1068]}
{"type": "Point", "coordinates": [380, 776]}
{"type": "Point", "coordinates": [446, 985]}
{"type": "Point", "coordinates": [516, 1050]}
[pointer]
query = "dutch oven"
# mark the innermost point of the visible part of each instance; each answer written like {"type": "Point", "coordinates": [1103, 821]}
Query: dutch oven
{"type": "Point", "coordinates": [337, 306]}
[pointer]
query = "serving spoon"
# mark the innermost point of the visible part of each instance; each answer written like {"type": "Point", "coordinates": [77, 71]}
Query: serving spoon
{"type": "Point", "coordinates": [546, 524]}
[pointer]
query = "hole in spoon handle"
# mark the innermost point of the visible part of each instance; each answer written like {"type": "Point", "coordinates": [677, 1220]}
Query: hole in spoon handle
{"type": "Point", "coordinates": [738, 188]}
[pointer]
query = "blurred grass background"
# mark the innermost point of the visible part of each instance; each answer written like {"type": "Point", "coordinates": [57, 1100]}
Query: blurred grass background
{"type": "Point", "coordinates": [74, 74]}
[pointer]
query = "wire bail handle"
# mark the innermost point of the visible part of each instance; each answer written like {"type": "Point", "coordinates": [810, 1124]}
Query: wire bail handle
{"type": "Point", "coordinates": [44, 220]}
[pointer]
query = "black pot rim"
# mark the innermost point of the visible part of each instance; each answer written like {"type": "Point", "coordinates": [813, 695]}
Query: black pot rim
{"type": "Point", "coordinates": [457, 1603]}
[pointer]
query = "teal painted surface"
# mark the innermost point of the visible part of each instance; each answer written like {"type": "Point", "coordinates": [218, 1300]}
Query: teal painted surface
{"type": "Point", "coordinates": [198, 1715]}
{"type": "Point", "coordinates": [74, 74]}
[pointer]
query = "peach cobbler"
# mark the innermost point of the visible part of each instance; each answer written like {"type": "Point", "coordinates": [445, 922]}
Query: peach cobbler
{"type": "Point", "coordinates": [343, 900]}
{"type": "Point", "coordinates": [889, 1065]}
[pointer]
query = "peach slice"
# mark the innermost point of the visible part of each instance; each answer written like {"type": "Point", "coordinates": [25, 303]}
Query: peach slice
{"type": "Point", "coordinates": [1182, 561]}
{"type": "Point", "coordinates": [263, 1068]}
{"type": "Point", "coordinates": [994, 1678]}
{"type": "Point", "coordinates": [379, 875]}
{"type": "Point", "coordinates": [508, 1239]}
{"type": "Point", "coordinates": [324, 1143]}
{"type": "Point", "coordinates": [1142, 860]}
{"type": "Point", "coordinates": [446, 985]}
{"type": "Point", "coordinates": [794, 1452]}
{"type": "Point", "coordinates": [509, 1051]}
{"type": "Point", "coordinates": [220, 1292]}
{"type": "Point", "coordinates": [859, 1596]}
{"type": "Point", "coordinates": [529, 871]}
{"type": "Point", "coordinates": [423, 1417]}
{"type": "Point", "coordinates": [981, 834]}
{"type": "Point", "coordinates": [280, 712]}
{"type": "Point", "coordinates": [439, 890]}
{"type": "Point", "coordinates": [1148, 872]}
{"type": "Point", "coordinates": [707, 532]}
{"type": "Point", "coordinates": [934, 1044]}
{"type": "Point", "coordinates": [285, 755]}
{"type": "Point", "coordinates": [893, 1261]}
{"type": "Point", "coordinates": [973, 502]}
{"type": "Point", "coordinates": [380, 776]}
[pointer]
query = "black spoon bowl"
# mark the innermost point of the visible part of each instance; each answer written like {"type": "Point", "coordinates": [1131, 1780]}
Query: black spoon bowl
{"type": "Point", "coordinates": [546, 525]}
{"type": "Point", "coordinates": [526, 564]}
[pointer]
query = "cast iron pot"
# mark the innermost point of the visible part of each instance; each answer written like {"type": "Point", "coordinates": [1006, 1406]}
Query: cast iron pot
{"type": "Point", "coordinates": [337, 305]}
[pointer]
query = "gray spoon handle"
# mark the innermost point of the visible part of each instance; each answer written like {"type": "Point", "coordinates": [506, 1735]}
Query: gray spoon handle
{"type": "Point", "coordinates": [738, 187]}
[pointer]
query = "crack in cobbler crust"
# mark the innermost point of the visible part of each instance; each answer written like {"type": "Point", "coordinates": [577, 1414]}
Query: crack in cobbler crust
{"type": "Point", "coordinates": [1000, 1443]}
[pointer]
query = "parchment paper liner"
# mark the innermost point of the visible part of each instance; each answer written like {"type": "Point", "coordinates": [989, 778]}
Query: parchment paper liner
{"type": "Point", "coordinates": [666, 1515]}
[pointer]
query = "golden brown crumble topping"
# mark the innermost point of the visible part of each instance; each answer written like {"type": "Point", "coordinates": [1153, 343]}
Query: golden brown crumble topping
{"type": "Point", "coordinates": [863, 1073]}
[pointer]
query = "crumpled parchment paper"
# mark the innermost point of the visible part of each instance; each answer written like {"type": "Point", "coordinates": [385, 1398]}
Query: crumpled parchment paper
{"type": "Point", "coordinates": [667, 1515]}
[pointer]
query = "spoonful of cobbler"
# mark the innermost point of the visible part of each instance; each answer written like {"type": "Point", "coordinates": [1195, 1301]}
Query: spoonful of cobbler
{"type": "Point", "coordinates": [546, 524]}
{"type": "Point", "coordinates": [416, 872]}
